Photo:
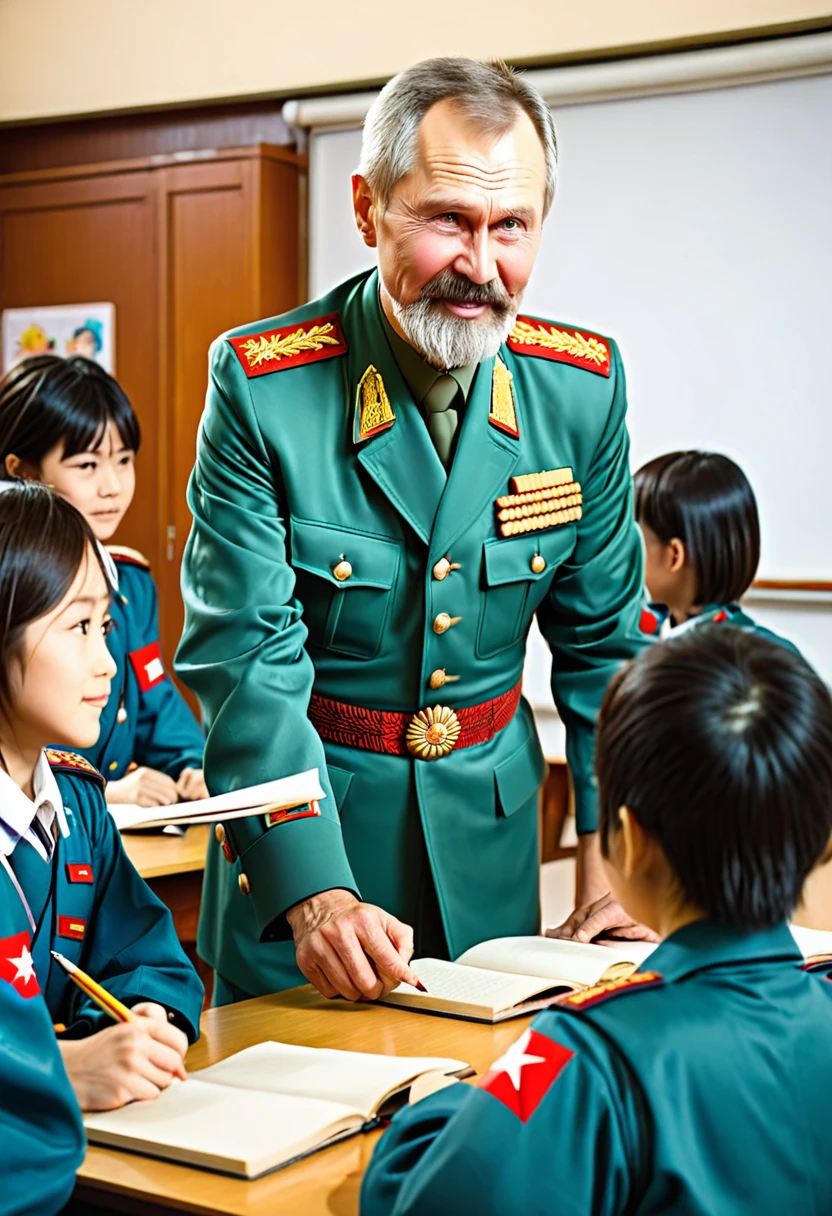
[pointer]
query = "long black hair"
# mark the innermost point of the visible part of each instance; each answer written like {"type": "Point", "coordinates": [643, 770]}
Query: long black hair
{"type": "Point", "coordinates": [47, 400]}
{"type": "Point", "coordinates": [43, 541]}
{"type": "Point", "coordinates": [719, 742]}
{"type": "Point", "coordinates": [705, 500]}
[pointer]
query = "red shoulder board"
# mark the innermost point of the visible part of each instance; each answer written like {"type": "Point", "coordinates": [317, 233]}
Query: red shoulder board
{"type": "Point", "coordinates": [290, 346]}
{"type": "Point", "coordinates": [130, 557]}
{"type": "Point", "coordinates": [609, 988]}
{"type": "Point", "coordinates": [721, 616]}
{"type": "Point", "coordinates": [649, 622]}
{"type": "Point", "coordinates": [71, 762]}
{"type": "Point", "coordinates": [531, 336]}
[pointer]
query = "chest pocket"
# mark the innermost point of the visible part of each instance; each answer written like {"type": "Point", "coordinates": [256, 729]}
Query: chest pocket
{"type": "Point", "coordinates": [346, 614]}
{"type": "Point", "coordinates": [514, 586]}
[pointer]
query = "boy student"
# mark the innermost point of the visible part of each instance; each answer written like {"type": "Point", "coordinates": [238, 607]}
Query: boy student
{"type": "Point", "coordinates": [703, 1083]}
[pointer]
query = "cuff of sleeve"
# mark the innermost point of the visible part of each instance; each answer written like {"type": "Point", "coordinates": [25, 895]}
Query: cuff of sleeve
{"type": "Point", "coordinates": [290, 863]}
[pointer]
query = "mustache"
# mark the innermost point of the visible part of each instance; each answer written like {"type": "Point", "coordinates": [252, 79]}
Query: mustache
{"type": "Point", "coordinates": [448, 285]}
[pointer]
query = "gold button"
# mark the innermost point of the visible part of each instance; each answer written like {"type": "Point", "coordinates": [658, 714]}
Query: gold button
{"type": "Point", "coordinates": [442, 569]}
{"type": "Point", "coordinates": [121, 716]}
{"type": "Point", "coordinates": [342, 571]}
{"type": "Point", "coordinates": [440, 677]}
{"type": "Point", "coordinates": [244, 884]}
{"type": "Point", "coordinates": [538, 564]}
{"type": "Point", "coordinates": [219, 833]}
{"type": "Point", "coordinates": [114, 766]}
{"type": "Point", "coordinates": [444, 622]}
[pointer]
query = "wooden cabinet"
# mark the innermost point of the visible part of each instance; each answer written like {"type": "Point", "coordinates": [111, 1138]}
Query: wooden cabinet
{"type": "Point", "coordinates": [185, 246]}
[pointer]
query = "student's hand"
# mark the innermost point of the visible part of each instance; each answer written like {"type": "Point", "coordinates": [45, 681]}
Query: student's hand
{"type": "Point", "coordinates": [346, 948]}
{"type": "Point", "coordinates": [144, 787]}
{"type": "Point", "coordinates": [191, 785]}
{"type": "Point", "coordinates": [132, 1060]}
{"type": "Point", "coordinates": [604, 915]}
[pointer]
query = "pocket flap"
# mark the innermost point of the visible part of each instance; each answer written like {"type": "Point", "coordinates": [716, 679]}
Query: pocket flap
{"type": "Point", "coordinates": [520, 776]}
{"type": "Point", "coordinates": [318, 548]}
{"type": "Point", "coordinates": [510, 561]}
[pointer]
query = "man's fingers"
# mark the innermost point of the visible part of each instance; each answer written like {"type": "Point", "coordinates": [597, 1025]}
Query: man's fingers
{"type": "Point", "coordinates": [357, 966]}
{"type": "Point", "coordinates": [610, 917]}
{"type": "Point", "coordinates": [318, 980]}
{"type": "Point", "coordinates": [401, 935]}
{"type": "Point", "coordinates": [328, 961]}
{"type": "Point", "coordinates": [384, 954]}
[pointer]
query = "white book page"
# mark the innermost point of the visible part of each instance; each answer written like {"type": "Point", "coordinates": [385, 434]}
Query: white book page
{"type": "Point", "coordinates": [355, 1078]}
{"type": "Point", "coordinates": [549, 958]}
{"type": "Point", "coordinates": [275, 795]}
{"type": "Point", "coordinates": [222, 1128]}
{"type": "Point", "coordinates": [493, 990]}
{"type": "Point", "coordinates": [812, 941]}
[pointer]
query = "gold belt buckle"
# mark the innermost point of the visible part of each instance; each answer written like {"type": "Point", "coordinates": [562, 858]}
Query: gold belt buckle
{"type": "Point", "coordinates": [433, 733]}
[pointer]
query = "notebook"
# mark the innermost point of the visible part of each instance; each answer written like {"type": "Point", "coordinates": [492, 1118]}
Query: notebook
{"type": "Point", "coordinates": [511, 976]}
{"type": "Point", "coordinates": [265, 1107]}
{"type": "Point", "coordinates": [286, 793]}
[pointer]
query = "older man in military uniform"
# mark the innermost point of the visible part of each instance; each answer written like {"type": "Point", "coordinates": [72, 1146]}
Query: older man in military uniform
{"type": "Point", "coordinates": [390, 482]}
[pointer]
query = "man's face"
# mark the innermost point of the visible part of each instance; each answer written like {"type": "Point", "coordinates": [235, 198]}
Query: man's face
{"type": "Point", "coordinates": [458, 239]}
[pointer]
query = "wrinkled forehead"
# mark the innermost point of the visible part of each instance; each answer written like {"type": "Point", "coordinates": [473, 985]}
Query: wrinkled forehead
{"type": "Point", "coordinates": [457, 154]}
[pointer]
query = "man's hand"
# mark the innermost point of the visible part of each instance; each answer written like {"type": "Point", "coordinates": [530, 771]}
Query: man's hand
{"type": "Point", "coordinates": [346, 948]}
{"type": "Point", "coordinates": [596, 911]}
{"type": "Point", "coordinates": [191, 785]}
{"type": "Point", "coordinates": [604, 915]}
{"type": "Point", "coordinates": [129, 1061]}
{"type": "Point", "coordinates": [144, 787]}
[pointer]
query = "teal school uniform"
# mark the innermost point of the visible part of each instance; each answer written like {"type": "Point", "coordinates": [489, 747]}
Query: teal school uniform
{"type": "Point", "coordinates": [146, 721]}
{"type": "Point", "coordinates": [41, 1132]}
{"type": "Point", "coordinates": [91, 905]}
{"type": "Point", "coordinates": [656, 622]}
{"type": "Point", "coordinates": [701, 1086]}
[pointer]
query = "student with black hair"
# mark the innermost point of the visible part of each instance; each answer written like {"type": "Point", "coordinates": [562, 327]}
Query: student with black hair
{"type": "Point", "coordinates": [703, 1083]}
{"type": "Point", "coordinates": [66, 883]}
{"type": "Point", "coordinates": [69, 424]}
{"type": "Point", "coordinates": [698, 516]}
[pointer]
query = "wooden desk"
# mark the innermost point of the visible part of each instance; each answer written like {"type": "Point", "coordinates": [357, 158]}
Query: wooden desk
{"type": "Point", "coordinates": [327, 1182]}
{"type": "Point", "coordinates": [173, 867]}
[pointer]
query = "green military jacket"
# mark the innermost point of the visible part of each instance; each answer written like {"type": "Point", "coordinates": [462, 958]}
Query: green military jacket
{"type": "Point", "coordinates": [312, 454]}
{"type": "Point", "coordinates": [702, 1087]}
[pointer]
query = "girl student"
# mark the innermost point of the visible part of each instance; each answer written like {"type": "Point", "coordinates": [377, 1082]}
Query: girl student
{"type": "Point", "coordinates": [698, 516]}
{"type": "Point", "coordinates": [66, 883]}
{"type": "Point", "coordinates": [67, 423]}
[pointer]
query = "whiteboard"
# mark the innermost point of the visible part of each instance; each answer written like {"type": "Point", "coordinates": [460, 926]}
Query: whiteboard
{"type": "Point", "coordinates": [695, 229]}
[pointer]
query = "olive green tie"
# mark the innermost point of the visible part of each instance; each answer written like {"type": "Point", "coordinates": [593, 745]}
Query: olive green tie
{"type": "Point", "coordinates": [442, 420]}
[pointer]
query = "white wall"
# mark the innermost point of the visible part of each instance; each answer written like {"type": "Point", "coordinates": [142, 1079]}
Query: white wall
{"type": "Point", "coordinates": [695, 229]}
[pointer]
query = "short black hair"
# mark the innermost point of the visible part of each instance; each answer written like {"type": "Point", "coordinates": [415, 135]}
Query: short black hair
{"type": "Point", "coordinates": [46, 400]}
{"type": "Point", "coordinates": [705, 500]}
{"type": "Point", "coordinates": [43, 541]}
{"type": "Point", "coordinates": [719, 742]}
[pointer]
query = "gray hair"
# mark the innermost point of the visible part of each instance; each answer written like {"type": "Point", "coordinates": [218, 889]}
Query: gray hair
{"type": "Point", "coordinates": [489, 94]}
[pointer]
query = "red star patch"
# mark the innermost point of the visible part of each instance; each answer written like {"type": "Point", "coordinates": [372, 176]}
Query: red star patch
{"type": "Point", "coordinates": [16, 966]}
{"type": "Point", "coordinates": [524, 1075]}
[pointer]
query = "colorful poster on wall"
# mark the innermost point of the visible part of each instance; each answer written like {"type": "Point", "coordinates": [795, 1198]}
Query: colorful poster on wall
{"type": "Point", "coordinates": [65, 329]}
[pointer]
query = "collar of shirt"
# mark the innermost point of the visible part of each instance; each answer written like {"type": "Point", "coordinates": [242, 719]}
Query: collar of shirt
{"type": "Point", "coordinates": [708, 943]}
{"type": "Point", "coordinates": [419, 376]}
{"type": "Point", "coordinates": [109, 565]}
{"type": "Point", "coordinates": [18, 812]}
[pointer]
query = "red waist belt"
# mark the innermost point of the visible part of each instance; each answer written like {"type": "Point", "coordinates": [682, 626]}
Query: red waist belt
{"type": "Point", "coordinates": [428, 734]}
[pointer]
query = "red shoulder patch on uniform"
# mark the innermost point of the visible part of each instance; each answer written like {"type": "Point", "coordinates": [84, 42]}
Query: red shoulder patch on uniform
{"type": "Point", "coordinates": [79, 873]}
{"type": "Point", "coordinates": [127, 556]}
{"type": "Point", "coordinates": [72, 927]}
{"type": "Point", "coordinates": [648, 622]}
{"type": "Point", "coordinates": [524, 1075]}
{"type": "Point", "coordinates": [721, 616]}
{"type": "Point", "coordinates": [148, 666]}
{"type": "Point", "coordinates": [307, 811]}
{"type": "Point", "coordinates": [581, 348]}
{"type": "Point", "coordinates": [70, 762]}
{"type": "Point", "coordinates": [16, 966]}
{"type": "Point", "coordinates": [610, 988]}
{"type": "Point", "coordinates": [291, 345]}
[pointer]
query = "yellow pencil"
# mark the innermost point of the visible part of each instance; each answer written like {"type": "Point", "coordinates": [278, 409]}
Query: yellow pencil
{"type": "Point", "coordinates": [93, 990]}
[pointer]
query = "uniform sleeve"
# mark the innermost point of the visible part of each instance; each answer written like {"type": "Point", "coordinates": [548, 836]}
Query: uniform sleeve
{"type": "Point", "coordinates": [131, 947]}
{"type": "Point", "coordinates": [591, 616]}
{"type": "Point", "coordinates": [550, 1134]}
{"type": "Point", "coordinates": [168, 736]}
{"type": "Point", "coordinates": [40, 1122]}
{"type": "Point", "coordinates": [243, 653]}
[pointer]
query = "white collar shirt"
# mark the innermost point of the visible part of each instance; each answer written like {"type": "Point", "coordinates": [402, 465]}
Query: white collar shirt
{"type": "Point", "coordinates": [19, 812]}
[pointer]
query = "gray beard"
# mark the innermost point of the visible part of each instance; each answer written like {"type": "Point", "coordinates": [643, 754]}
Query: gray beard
{"type": "Point", "coordinates": [446, 341]}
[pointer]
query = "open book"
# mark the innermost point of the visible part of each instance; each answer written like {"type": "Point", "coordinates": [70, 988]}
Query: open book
{"type": "Point", "coordinates": [265, 1107]}
{"type": "Point", "coordinates": [284, 794]}
{"type": "Point", "coordinates": [510, 976]}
